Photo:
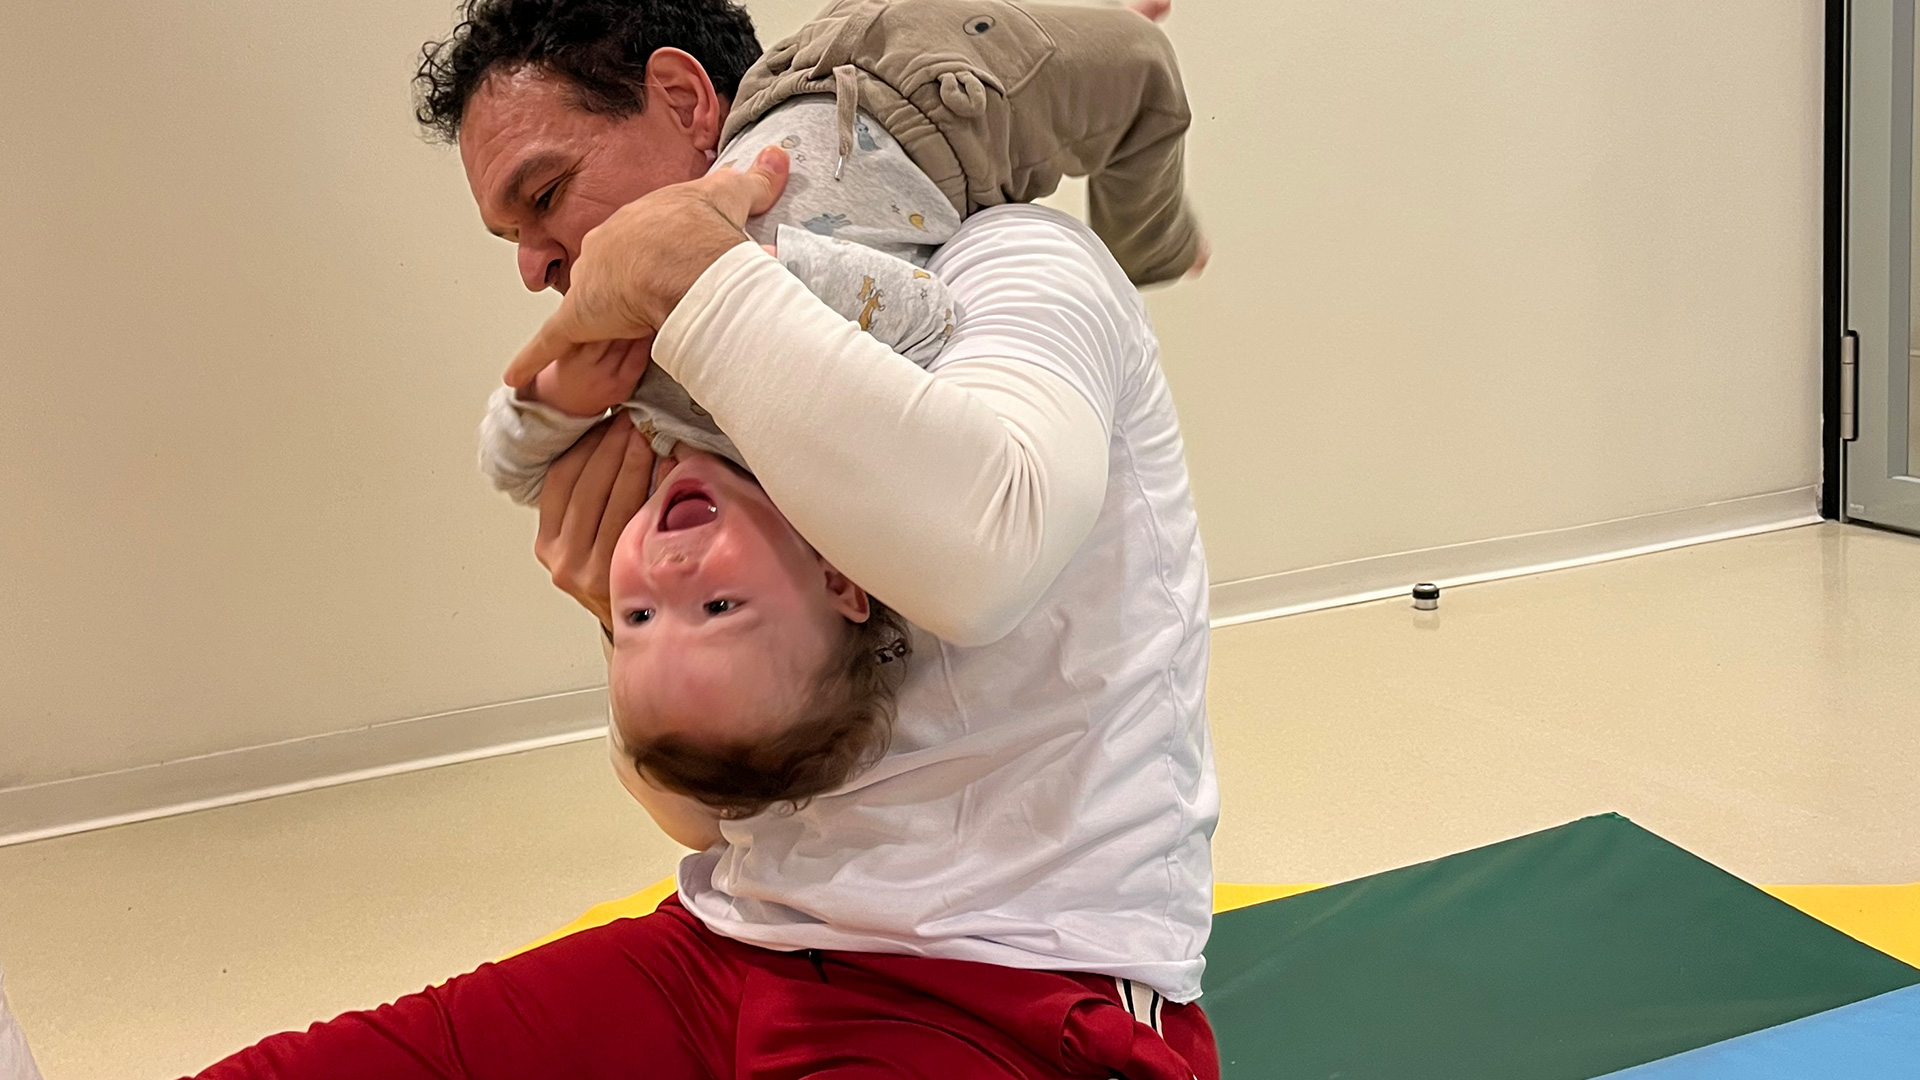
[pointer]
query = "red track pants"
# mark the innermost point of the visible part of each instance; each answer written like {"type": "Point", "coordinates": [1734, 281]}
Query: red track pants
{"type": "Point", "coordinates": [663, 997]}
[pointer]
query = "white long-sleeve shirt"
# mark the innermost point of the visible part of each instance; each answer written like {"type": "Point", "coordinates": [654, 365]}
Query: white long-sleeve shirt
{"type": "Point", "coordinates": [1049, 796]}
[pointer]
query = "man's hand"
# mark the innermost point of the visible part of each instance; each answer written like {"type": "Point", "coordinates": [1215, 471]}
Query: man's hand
{"type": "Point", "coordinates": [591, 379]}
{"type": "Point", "coordinates": [591, 492]}
{"type": "Point", "coordinates": [635, 266]}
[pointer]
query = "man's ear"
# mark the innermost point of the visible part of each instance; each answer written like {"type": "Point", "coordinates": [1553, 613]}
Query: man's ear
{"type": "Point", "coordinates": [849, 600]}
{"type": "Point", "coordinates": [677, 81]}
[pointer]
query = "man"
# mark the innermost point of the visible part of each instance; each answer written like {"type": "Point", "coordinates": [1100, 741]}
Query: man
{"type": "Point", "coordinates": [1021, 886]}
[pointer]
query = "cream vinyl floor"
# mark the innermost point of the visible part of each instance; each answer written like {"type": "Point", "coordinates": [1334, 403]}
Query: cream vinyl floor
{"type": "Point", "coordinates": [1756, 700]}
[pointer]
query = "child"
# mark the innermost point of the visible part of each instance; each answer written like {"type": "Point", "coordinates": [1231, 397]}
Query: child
{"type": "Point", "coordinates": [985, 102]}
{"type": "Point", "coordinates": [781, 673]}
{"type": "Point", "coordinates": [745, 669]}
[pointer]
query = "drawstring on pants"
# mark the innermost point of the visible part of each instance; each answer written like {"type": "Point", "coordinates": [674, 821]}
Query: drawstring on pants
{"type": "Point", "coordinates": [846, 101]}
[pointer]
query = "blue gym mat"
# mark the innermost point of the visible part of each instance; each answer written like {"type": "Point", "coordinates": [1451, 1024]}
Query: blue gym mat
{"type": "Point", "coordinates": [1875, 1039]}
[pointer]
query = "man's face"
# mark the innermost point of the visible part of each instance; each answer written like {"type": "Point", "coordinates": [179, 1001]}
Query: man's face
{"type": "Point", "coordinates": [545, 171]}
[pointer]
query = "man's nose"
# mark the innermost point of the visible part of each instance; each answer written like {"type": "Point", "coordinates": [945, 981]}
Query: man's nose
{"type": "Point", "coordinates": [543, 265]}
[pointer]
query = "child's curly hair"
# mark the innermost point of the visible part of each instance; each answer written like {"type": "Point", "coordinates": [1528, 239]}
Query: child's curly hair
{"type": "Point", "coordinates": [847, 726]}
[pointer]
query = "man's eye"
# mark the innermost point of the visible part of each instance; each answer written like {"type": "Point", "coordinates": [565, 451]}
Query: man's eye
{"type": "Point", "coordinates": [720, 607]}
{"type": "Point", "coordinates": [639, 617]}
{"type": "Point", "coordinates": [545, 199]}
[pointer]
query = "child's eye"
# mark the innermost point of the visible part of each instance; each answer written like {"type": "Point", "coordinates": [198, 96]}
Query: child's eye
{"type": "Point", "coordinates": [639, 617]}
{"type": "Point", "coordinates": [720, 607]}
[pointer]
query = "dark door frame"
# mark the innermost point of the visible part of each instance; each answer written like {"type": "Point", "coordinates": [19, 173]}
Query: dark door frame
{"type": "Point", "coordinates": [1833, 271]}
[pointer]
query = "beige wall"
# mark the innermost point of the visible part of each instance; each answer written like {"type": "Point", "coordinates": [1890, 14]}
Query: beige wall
{"type": "Point", "coordinates": [1494, 267]}
{"type": "Point", "coordinates": [249, 322]}
{"type": "Point", "coordinates": [1482, 269]}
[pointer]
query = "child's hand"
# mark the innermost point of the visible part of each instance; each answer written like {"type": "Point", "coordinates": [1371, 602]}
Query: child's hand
{"type": "Point", "coordinates": [588, 382]}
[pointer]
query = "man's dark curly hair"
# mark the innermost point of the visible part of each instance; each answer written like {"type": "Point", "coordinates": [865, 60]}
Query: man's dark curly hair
{"type": "Point", "coordinates": [601, 47]}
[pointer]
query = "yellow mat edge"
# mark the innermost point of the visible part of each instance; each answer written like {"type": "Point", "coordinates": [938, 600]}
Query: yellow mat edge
{"type": "Point", "coordinates": [640, 903]}
{"type": "Point", "coordinates": [1886, 917]}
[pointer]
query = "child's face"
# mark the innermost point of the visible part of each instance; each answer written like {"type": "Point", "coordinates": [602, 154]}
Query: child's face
{"type": "Point", "coordinates": [722, 615]}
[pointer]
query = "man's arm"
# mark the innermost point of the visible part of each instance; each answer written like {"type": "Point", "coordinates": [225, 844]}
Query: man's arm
{"type": "Point", "coordinates": [686, 821]}
{"type": "Point", "coordinates": [958, 494]}
{"type": "Point", "coordinates": [593, 490]}
{"type": "Point", "coordinates": [998, 459]}
{"type": "Point", "coordinates": [907, 308]}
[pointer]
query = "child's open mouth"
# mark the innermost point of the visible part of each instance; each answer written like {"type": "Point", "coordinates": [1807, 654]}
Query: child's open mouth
{"type": "Point", "coordinates": [688, 509]}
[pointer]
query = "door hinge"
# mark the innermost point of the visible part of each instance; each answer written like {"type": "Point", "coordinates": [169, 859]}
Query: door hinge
{"type": "Point", "coordinates": [1849, 386]}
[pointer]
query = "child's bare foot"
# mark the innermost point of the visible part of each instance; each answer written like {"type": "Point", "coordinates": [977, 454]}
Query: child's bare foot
{"type": "Point", "coordinates": [1155, 10]}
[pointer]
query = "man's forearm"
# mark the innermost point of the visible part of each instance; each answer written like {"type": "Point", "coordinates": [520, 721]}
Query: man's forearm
{"type": "Point", "coordinates": [954, 496]}
{"type": "Point", "coordinates": [686, 821]}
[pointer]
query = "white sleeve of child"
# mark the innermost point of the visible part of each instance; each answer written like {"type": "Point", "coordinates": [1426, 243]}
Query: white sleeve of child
{"type": "Point", "coordinates": [907, 308]}
{"type": "Point", "coordinates": [954, 495]}
{"type": "Point", "coordinates": [520, 439]}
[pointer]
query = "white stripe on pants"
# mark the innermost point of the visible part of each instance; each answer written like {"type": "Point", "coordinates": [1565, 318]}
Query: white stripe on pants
{"type": "Point", "coordinates": [1142, 1001]}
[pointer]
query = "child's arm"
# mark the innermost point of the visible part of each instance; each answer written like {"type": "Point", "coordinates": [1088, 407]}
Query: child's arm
{"type": "Point", "coordinates": [520, 438]}
{"type": "Point", "coordinates": [523, 433]}
{"type": "Point", "coordinates": [906, 308]}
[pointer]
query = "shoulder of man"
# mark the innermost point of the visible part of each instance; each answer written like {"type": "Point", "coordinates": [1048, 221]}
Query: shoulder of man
{"type": "Point", "coordinates": [1039, 241]}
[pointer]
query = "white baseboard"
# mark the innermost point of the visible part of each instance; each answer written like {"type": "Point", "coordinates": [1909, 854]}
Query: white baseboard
{"type": "Point", "coordinates": [1382, 576]}
{"type": "Point", "coordinates": [59, 807]}
{"type": "Point", "coordinates": [39, 811]}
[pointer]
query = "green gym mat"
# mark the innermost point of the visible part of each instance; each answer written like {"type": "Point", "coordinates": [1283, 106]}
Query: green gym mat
{"type": "Point", "coordinates": [1562, 955]}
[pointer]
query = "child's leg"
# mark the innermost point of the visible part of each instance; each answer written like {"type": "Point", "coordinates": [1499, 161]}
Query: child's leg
{"type": "Point", "coordinates": [856, 231]}
{"type": "Point", "coordinates": [897, 302]}
{"type": "Point", "coordinates": [906, 308]}
{"type": "Point", "coordinates": [876, 196]}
